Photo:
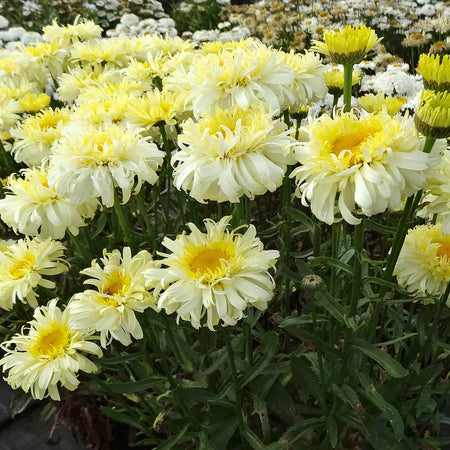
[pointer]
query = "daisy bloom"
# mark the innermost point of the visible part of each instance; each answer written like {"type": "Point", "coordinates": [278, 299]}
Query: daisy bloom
{"type": "Point", "coordinates": [373, 162]}
{"type": "Point", "coordinates": [92, 161]}
{"type": "Point", "coordinates": [347, 46]}
{"type": "Point", "coordinates": [432, 117]}
{"type": "Point", "coordinates": [35, 135]}
{"type": "Point", "coordinates": [23, 266]}
{"type": "Point", "coordinates": [216, 274]}
{"type": "Point", "coordinates": [231, 153]}
{"type": "Point", "coordinates": [84, 30]}
{"type": "Point", "coordinates": [437, 194]}
{"type": "Point", "coordinates": [423, 266]}
{"type": "Point", "coordinates": [120, 292]}
{"type": "Point", "coordinates": [32, 102]}
{"type": "Point", "coordinates": [47, 353]}
{"type": "Point", "coordinates": [435, 71]}
{"type": "Point", "coordinates": [381, 103]}
{"type": "Point", "coordinates": [309, 85]}
{"type": "Point", "coordinates": [33, 208]}
{"type": "Point", "coordinates": [155, 107]}
{"type": "Point", "coordinates": [240, 77]}
{"type": "Point", "coordinates": [334, 80]}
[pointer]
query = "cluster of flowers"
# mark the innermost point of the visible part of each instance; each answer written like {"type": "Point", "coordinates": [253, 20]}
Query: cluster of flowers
{"type": "Point", "coordinates": [292, 24]}
{"type": "Point", "coordinates": [34, 15]}
{"type": "Point", "coordinates": [119, 101]}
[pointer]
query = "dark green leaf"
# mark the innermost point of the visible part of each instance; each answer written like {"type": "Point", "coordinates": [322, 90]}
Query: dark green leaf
{"type": "Point", "coordinates": [390, 365]}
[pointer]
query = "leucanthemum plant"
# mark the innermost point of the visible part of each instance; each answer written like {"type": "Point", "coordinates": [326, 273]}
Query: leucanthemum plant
{"type": "Point", "coordinates": [230, 312]}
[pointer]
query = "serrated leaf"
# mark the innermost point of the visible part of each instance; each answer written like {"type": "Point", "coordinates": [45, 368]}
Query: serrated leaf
{"type": "Point", "coordinates": [388, 411]}
{"type": "Point", "coordinates": [390, 365]}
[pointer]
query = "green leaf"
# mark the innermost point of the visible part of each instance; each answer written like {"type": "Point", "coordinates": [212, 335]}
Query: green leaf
{"type": "Point", "coordinates": [346, 394]}
{"type": "Point", "coordinates": [304, 377]}
{"type": "Point", "coordinates": [118, 359]}
{"type": "Point", "coordinates": [388, 411]}
{"type": "Point", "coordinates": [131, 387]}
{"type": "Point", "coordinates": [384, 283]}
{"type": "Point", "coordinates": [378, 227]}
{"type": "Point", "coordinates": [390, 365]}
{"type": "Point", "coordinates": [332, 262]}
{"type": "Point", "coordinates": [253, 439]}
{"type": "Point", "coordinates": [260, 408]}
{"type": "Point", "coordinates": [173, 440]}
{"type": "Point", "coordinates": [121, 416]}
{"type": "Point", "coordinates": [394, 341]}
{"type": "Point", "coordinates": [302, 218]}
{"type": "Point", "coordinates": [332, 431]}
{"type": "Point", "coordinates": [297, 431]}
{"type": "Point", "coordinates": [221, 428]}
{"type": "Point", "coordinates": [324, 299]}
{"type": "Point", "coordinates": [379, 436]}
{"type": "Point", "coordinates": [269, 344]}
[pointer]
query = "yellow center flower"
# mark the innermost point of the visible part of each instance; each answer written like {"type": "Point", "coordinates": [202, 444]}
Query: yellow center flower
{"type": "Point", "coordinates": [116, 283]}
{"type": "Point", "coordinates": [211, 262]}
{"type": "Point", "coordinates": [51, 342]}
{"type": "Point", "coordinates": [334, 79]}
{"type": "Point", "coordinates": [347, 46]}
{"type": "Point", "coordinates": [381, 103]}
{"type": "Point", "coordinates": [33, 102]}
{"type": "Point", "coordinates": [22, 266]}
{"type": "Point", "coordinates": [444, 250]}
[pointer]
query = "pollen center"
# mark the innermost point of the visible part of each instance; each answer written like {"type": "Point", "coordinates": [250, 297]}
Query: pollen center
{"type": "Point", "coordinates": [351, 142]}
{"type": "Point", "coordinates": [116, 283]}
{"type": "Point", "coordinates": [52, 343]}
{"type": "Point", "coordinates": [443, 250]}
{"type": "Point", "coordinates": [209, 260]}
{"type": "Point", "coordinates": [21, 267]}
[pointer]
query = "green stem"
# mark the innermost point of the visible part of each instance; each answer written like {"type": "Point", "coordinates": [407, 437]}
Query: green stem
{"type": "Point", "coordinates": [82, 251]}
{"type": "Point", "coordinates": [237, 390]}
{"type": "Point", "coordinates": [317, 240]}
{"type": "Point", "coordinates": [319, 355]}
{"type": "Point", "coordinates": [400, 234]}
{"type": "Point", "coordinates": [358, 244]}
{"type": "Point", "coordinates": [143, 212]}
{"type": "Point", "coordinates": [8, 162]}
{"type": "Point", "coordinates": [123, 221]}
{"type": "Point", "coordinates": [437, 316]}
{"type": "Point", "coordinates": [168, 170]}
{"type": "Point", "coordinates": [335, 235]}
{"type": "Point", "coordinates": [335, 102]}
{"type": "Point", "coordinates": [348, 71]}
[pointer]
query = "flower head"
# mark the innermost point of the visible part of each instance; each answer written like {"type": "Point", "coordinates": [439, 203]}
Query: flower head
{"type": "Point", "coordinates": [231, 153]}
{"type": "Point", "coordinates": [347, 46]}
{"type": "Point", "coordinates": [435, 71]}
{"type": "Point", "coordinates": [120, 292]}
{"type": "Point", "coordinates": [34, 102]}
{"type": "Point", "coordinates": [35, 135]}
{"type": "Point", "coordinates": [91, 161]}
{"type": "Point", "coordinates": [216, 274]}
{"type": "Point", "coordinates": [423, 266]}
{"type": "Point", "coordinates": [372, 161]}
{"type": "Point", "coordinates": [432, 117]}
{"type": "Point", "coordinates": [381, 103]}
{"type": "Point", "coordinates": [23, 266]}
{"type": "Point", "coordinates": [34, 208]}
{"type": "Point", "coordinates": [48, 354]}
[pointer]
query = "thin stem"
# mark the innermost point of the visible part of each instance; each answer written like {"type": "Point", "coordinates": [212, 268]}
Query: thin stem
{"type": "Point", "coordinates": [400, 234]}
{"type": "Point", "coordinates": [319, 355]}
{"type": "Point", "coordinates": [168, 169]}
{"type": "Point", "coordinates": [348, 71]}
{"type": "Point", "coordinates": [317, 238]}
{"type": "Point", "coordinates": [358, 244]}
{"type": "Point", "coordinates": [237, 390]}
{"type": "Point", "coordinates": [82, 251]}
{"type": "Point", "coordinates": [143, 212]}
{"type": "Point", "coordinates": [123, 221]}
{"type": "Point", "coordinates": [335, 235]}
